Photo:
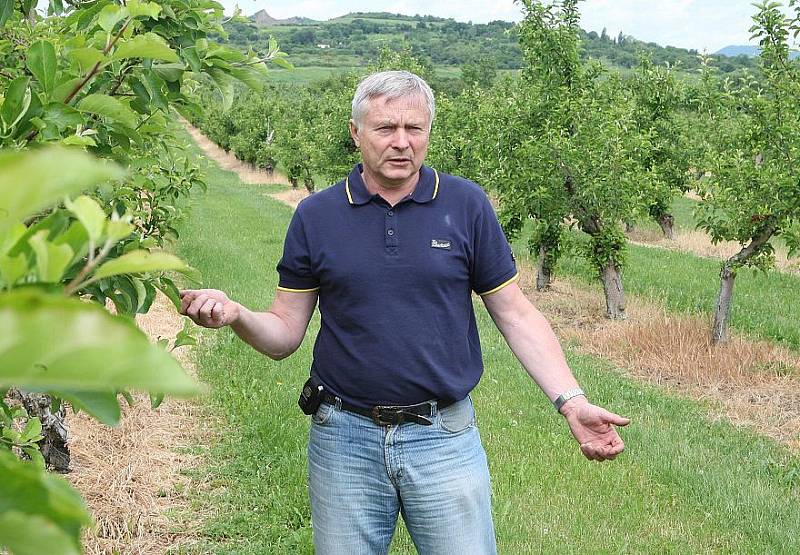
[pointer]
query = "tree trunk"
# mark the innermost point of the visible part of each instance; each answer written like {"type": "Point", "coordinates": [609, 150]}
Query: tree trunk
{"type": "Point", "coordinates": [54, 429]}
{"type": "Point", "coordinates": [722, 314]}
{"type": "Point", "coordinates": [720, 333]}
{"type": "Point", "coordinates": [615, 295]}
{"type": "Point", "coordinates": [544, 271]}
{"type": "Point", "coordinates": [293, 181]}
{"type": "Point", "coordinates": [309, 185]}
{"type": "Point", "coordinates": [630, 227]}
{"type": "Point", "coordinates": [667, 221]}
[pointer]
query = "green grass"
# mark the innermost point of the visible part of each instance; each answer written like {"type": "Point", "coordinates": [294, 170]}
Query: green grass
{"type": "Point", "coordinates": [305, 75]}
{"type": "Point", "coordinates": [765, 305]}
{"type": "Point", "coordinates": [685, 485]}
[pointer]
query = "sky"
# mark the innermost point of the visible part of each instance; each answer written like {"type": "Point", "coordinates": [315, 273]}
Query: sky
{"type": "Point", "coordinates": [700, 24]}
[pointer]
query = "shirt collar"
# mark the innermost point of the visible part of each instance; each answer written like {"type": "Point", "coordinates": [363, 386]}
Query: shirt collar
{"type": "Point", "coordinates": [426, 190]}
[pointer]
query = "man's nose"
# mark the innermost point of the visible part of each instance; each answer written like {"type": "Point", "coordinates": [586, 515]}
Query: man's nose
{"type": "Point", "coordinates": [400, 139]}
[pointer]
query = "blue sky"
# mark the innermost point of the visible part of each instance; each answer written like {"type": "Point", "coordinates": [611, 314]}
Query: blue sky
{"type": "Point", "coordinates": [700, 24]}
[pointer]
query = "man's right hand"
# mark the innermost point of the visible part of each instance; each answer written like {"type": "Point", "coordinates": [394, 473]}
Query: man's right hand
{"type": "Point", "coordinates": [209, 308]}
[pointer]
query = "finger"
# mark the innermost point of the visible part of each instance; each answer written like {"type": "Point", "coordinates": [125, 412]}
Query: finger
{"type": "Point", "coordinates": [205, 310]}
{"type": "Point", "coordinates": [187, 296]}
{"type": "Point", "coordinates": [218, 313]}
{"type": "Point", "coordinates": [589, 451]}
{"type": "Point", "coordinates": [615, 419]}
{"type": "Point", "coordinates": [194, 308]}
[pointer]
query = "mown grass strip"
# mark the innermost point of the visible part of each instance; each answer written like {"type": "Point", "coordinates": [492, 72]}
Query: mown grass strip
{"type": "Point", "coordinates": [685, 484]}
{"type": "Point", "coordinates": [765, 305]}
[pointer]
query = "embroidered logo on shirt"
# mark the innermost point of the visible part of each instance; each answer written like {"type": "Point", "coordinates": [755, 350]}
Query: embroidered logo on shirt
{"type": "Point", "coordinates": [440, 244]}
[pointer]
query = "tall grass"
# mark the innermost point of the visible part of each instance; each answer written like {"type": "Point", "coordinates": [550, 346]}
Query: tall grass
{"type": "Point", "coordinates": [685, 485]}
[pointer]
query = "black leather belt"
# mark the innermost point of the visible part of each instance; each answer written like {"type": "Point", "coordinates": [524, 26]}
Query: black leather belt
{"type": "Point", "coordinates": [392, 415]}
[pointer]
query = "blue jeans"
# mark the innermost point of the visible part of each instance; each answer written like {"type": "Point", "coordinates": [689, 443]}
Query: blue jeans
{"type": "Point", "coordinates": [362, 475]}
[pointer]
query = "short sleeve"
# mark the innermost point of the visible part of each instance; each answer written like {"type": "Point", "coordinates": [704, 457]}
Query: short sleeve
{"type": "Point", "coordinates": [493, 264]}
{"type": "Point", "coordinates": [295, 272]}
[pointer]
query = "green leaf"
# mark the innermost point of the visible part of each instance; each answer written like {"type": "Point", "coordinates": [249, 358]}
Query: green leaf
{"type": "Point", "coordinates": [63, 90]}
{"type": "Point", "coordinates": [42, 63]}
{"type": "Point", "coordinates": [184, 336]}
{"type": "Point", "coordinates": [51, 260]}
{"type": "Point", "coordinates": [108, 107]}
{"type": "Point", "coordinates": [192, 57]}
{"type": "Point", "coordinates": [249, 76]}
{"type": "Point", "coordinates": [39, 512]}
{"type": "Point", "coordinates": [32, 430]}
{"type": "Point", "coordinates": [109, 16]}
{"type": "Point", "coordinates": [6, 9]}
{"type": "Point", "coordinates": [170, 72]}
{"type": "Point", "coordinates": [155, 88]}
{"type": "Point", "coordinates": [78, 140]}
{"type": "Point", "coordinates": [33, 535]}
{"type": "Point", "coordinates": [156, 399]}
{"type": "Point", "coordinates": [148, 45]}
{"type": "Point", "coordinates": [282, 62]}
{"type": "Point", "coordinates": [17, 98]}
{"type": "Point", "coordinates": [89, 214]}
{"type": "Point", "coordinates": [102, 405]}
{"type": "Point", "coordinates": [140, 261]}
{"type": "Point", "coordinates": [167, 286]}
{"type": "Point", "coordinates": [12, 268]}
{"type": "Point", "coordinates": [62, 116]}
{"type": "Point", "coordinates": [86, 57]}
{"type": "Point", "coordinates": [225, 84]}
{"type": "Point", "coordinates": [87, 349]}
{"type": "Point", "coordinates": [35, 179]}
{"type": "Point", "coordinates": [11, 237]}
{"type": "Point", "coordinates": [147, 9]}
{"type": "Point", "coordinates": [117, 230]}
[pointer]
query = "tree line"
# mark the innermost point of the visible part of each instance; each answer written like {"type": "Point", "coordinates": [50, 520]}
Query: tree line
{"type": "Point", "coordinates": [358, 39]}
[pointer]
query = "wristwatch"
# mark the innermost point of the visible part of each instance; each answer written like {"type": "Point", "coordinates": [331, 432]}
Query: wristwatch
{"type": "Point", "coordinates": [566, 396]}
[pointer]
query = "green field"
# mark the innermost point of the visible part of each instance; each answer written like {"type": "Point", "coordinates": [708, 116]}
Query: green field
{"type": "Point", "coordinates": [685, 485]}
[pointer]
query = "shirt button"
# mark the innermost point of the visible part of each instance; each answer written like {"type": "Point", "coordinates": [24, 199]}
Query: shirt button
{"type": "Point", "coordinates": [390, 232]}
{"type": "Point", "coordinates": [390, 213]}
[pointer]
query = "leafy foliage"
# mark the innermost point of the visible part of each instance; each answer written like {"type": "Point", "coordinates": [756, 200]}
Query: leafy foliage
{"type": "Point", "coordinates": [86, 97]}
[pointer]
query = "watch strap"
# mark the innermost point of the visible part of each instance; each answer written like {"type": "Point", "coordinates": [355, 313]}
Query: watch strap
{"type": "Point", "coordinates": [566, 396]}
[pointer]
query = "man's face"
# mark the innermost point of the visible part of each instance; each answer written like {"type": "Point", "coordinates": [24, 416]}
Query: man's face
{"type": "Point", "coordinates": [393, 138]}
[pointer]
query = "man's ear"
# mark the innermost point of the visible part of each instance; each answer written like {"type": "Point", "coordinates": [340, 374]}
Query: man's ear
{"type": "Point", "coordinates": [354, 132]}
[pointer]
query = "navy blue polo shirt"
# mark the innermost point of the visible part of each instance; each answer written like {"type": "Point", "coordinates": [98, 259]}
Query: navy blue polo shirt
{"type": "Point", "coordinates": [395, 286]}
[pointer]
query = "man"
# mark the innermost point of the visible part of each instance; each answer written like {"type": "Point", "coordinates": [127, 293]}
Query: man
{"type": "Point", "coordinates": [393, 254]}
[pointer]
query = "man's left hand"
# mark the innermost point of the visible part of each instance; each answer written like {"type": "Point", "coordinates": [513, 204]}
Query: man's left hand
{"type": "Point", "coordinates": [593, 428]}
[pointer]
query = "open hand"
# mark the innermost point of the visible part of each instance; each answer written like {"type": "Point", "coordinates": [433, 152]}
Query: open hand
{"type": "Point", "coordinates": [593, 428]}
{"type": "Point", "coordinates": [209, 308]}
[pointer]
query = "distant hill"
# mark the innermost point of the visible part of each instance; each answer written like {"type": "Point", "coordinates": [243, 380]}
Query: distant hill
{"type": "Point", "coordinates": [354, 39]}
{"type": "Point", "coordinates": [746, 50]}
{"type": "Point", "coordinates": [262, 18]}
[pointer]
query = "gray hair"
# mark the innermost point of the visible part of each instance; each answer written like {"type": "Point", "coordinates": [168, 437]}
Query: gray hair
{"type": "Point", "coordinates": [392, 85]}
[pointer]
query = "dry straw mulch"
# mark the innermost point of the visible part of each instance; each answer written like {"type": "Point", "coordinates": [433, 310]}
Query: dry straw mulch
{"type": "Point", "coordinates": [752, 383]}
{"type": "Point", "coordinates": [131, 476]}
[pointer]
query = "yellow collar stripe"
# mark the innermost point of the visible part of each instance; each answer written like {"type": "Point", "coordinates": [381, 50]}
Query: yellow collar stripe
{"type": "Point", "coordinates": [436, 185]}
{"type": "Point", "coordinates": [347, 189]}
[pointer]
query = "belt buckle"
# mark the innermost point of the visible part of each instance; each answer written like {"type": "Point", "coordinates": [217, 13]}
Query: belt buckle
{"type": "Point", "coordinates": [377, 413]}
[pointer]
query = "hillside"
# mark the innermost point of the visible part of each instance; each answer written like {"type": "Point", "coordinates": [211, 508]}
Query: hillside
{"type": "Point", "coordinates": [747, 50]}
{"type": "Point", "coordinates": [356, 38]}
